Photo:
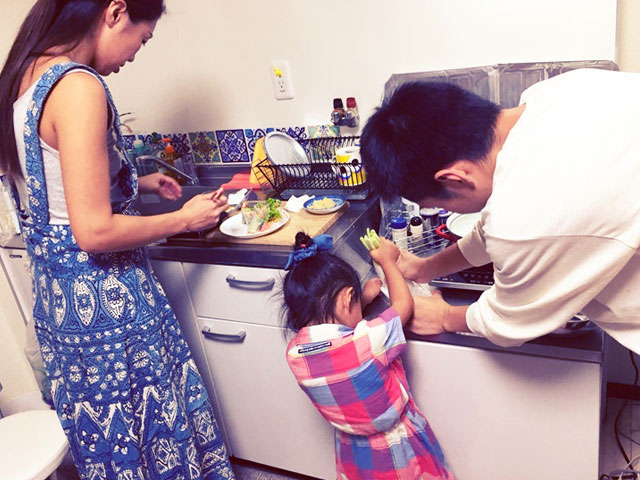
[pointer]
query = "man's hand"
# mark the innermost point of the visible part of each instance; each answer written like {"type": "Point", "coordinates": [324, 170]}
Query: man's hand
{"type": "Point", "coordinates": [411, 266]}
{"type": "Point", "coordinates": [432, 316]}
{"type": "Point", "coordinates": [164, 186]}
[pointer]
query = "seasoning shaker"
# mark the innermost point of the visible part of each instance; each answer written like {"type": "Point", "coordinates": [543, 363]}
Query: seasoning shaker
{"type": "Point", "coordinates": [399, 231]}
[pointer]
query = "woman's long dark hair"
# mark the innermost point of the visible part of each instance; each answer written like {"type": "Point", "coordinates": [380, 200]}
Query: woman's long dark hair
{"type": "Point", "coordinates": [311, 287]}
{"type": "Point", "coordinates": [51, 23]}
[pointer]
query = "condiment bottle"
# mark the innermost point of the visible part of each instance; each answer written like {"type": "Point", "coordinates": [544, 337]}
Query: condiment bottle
{"type": "Point", "coordinates": [337, 115]}
{"type": "Point", "coordinates": [415, 227]}
{"type": "Point", "coordinates": [399, 231]}
{"type": "Point", "coordinates": [351, 116]}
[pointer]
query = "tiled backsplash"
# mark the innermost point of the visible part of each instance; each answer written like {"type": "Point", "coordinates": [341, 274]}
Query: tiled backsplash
{"type": "Point", "coordinates": [228, 146]}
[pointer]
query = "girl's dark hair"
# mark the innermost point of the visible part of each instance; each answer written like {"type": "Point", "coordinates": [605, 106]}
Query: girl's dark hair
{"type": "Point", "coordinates": [51, 23]}
{"type": "Point", "coordinates": [420, 129]}
{"type": "Point", "coordinates": [312, 286]}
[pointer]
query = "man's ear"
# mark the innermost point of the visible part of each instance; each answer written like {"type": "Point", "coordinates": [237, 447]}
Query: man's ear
{"type": "Point", "coordinates": [456, 175]}
{"type": "Point", "coordinates": [115, 11]}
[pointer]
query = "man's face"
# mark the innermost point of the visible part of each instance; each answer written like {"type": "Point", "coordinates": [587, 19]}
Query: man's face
{"type": "Point", "coordinates": [470, 202]}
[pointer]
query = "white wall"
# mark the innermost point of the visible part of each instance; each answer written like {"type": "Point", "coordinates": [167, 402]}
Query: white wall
{"type": "Point", "coordinates": [628, 35]}
{"type": "Point", "coordinates": [208, 65]}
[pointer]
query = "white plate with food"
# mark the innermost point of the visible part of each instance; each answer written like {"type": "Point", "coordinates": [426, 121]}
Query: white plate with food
{"type": "Point", "coordinates": [256, 219]}
{"type": "Point", "coordinates": [324, 204]}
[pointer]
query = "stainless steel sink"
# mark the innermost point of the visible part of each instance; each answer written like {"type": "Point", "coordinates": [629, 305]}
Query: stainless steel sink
{"type": "Point", "coordinates": [209, 180]}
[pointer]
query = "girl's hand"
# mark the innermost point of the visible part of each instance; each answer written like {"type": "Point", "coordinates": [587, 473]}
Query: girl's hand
{"type": "Point", "coordinates": [202, 211]}
{"type": "Point", "coordinates": [387, 252]}
{"type": "Point", "coordinates": [164, 186]}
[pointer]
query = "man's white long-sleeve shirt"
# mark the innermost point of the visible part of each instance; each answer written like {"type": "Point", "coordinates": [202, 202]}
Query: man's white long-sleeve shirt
{"type": "Point", "coordinates": [562, 225]}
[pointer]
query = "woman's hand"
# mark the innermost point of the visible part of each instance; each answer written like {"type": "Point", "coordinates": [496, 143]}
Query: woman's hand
{"type": "Point", "coordinates": [160, 184]}
{"type": "Point", "coordinates": [386, 252]}
{"type": "Point", "coordinates": [202, 211]}
{"type": "Point", "coordinates": [411, 266]}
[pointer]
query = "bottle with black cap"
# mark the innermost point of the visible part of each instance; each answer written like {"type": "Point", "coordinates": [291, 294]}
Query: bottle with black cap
{"type": "Point", "coordinates": [416, 228]}
{"type": "Point", "coordinates": [337, 115]}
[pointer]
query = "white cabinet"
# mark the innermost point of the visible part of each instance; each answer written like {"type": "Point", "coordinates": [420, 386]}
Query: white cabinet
{"type": "Point", "coordinates": [505, 416]}
{"type": "Point", "coordinates": [268, 419]}
{"type": "Point", "coordinates": [498, 415]}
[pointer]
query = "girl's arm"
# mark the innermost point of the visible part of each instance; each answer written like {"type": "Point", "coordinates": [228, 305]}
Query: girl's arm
{"type": "Point", "coordinates": [75, 122]}
{"type": "Point", "coordinates": [401, 300]}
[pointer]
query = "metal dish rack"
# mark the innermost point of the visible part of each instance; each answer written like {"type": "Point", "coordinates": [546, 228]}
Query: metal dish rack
{"type": "Point", "coordinates": [423, 245]}
{"type": "Point", "coordinates": [318, 177]}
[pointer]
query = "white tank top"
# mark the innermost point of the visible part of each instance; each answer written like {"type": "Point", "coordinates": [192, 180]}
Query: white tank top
{"type": "Point", "coordinates": [58, 213]}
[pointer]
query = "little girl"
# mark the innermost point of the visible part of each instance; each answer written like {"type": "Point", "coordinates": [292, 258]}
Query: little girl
{"type": "Point", "coordinates": [351, 368]}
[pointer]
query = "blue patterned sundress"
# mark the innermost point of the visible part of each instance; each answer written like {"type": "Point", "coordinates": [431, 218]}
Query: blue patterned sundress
{"type": "Point", "coordinates": [126, 390]}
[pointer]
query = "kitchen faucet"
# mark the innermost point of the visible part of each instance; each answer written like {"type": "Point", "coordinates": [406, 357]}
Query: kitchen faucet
{"type": "Point", "coordinates": [190, 180]}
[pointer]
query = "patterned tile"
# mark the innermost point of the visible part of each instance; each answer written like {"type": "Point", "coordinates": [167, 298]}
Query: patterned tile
{"type": "Point", "coordinates": [233, 147]}
{"type": "Point", "coordinates": [128, 141]}
{"type": "Point", "coordinates": [321, 131]}
{"type": "Point", "coordinates": [299, 133]}
{"type": "Point", "coordinates": [252, 137]}
{"type": "Point", "coordinates": [204, 147]}
{"type": "Point", "coordinates": [180, 141]}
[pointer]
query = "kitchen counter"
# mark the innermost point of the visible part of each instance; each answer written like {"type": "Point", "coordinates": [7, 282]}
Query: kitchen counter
{"type": "Point", "coordinates": [345, 232]}
{"type": "Point", "coordinates": [584, 346]}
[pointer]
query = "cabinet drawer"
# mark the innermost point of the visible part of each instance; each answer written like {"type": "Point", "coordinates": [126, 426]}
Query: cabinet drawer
{"type": "Point", "coordinates": [244, 294]}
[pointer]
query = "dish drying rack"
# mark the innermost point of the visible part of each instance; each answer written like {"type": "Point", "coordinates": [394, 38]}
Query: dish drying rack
{"type": "Point", "coordinates": [424, 245]}
{"type": "Point", "coordinates": [320, 176]}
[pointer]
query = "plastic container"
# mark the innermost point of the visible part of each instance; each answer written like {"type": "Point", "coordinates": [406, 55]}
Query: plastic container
{"type": "Point", "coordinates": [399, 231]}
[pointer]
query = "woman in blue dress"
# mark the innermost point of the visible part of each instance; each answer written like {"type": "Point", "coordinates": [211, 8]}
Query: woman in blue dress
{"type": "Point", "coordinates": [126, 390]}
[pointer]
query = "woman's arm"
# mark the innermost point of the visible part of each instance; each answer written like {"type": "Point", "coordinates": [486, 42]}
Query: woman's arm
{"type": "Point", "coordinates": [75, 122]}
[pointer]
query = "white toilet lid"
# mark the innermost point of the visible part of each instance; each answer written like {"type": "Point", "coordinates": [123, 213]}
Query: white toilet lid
{"type": "Point", "coordinates": [32, 445]}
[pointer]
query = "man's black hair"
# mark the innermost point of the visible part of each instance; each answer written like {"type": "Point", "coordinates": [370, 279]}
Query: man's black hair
{"type": "Point", "coordinates": [422, 128]}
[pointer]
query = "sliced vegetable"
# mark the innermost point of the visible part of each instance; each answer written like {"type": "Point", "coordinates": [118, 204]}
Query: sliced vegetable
{"type": "Point", "coordinates": [370, 240]}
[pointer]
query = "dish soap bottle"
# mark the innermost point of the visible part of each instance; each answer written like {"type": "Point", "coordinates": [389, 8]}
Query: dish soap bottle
{"type": "Point", "coordinates": [170, 157]}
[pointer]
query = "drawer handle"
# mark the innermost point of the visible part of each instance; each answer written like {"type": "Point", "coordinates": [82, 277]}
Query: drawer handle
{"type": "Point", "coordinates": [251, 285]}
{"type": "Point", "coordinates": [223, 337]}
{"type": "Point", "coordinates": [15, 255]}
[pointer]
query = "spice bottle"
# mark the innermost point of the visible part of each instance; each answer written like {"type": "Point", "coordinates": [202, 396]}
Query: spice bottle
{"type": "Point", "coordinates": [415, 227]}
{"type": "Point", "coordinates": [337, 115]}
{"type": "Point", "coordinates": [351, 116]}
{"type": "Point", "coordinates": [399, 231]}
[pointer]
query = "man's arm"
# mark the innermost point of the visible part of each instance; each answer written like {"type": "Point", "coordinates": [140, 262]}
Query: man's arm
{"type": "Point", "coordinates": [423, 270]}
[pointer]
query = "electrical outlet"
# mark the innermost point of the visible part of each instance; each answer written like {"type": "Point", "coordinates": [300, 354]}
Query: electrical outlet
{"type": "Point", "coordinates": [281, 79]}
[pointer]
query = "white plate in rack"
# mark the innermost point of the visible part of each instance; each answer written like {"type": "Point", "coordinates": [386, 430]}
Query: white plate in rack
{"type": "Point", "coordinates": [286, 151]}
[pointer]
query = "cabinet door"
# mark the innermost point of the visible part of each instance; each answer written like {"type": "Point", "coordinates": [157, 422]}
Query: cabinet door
{"type": "Point", "coordinates": [503, 416]}
{"type": "Point", "coordinates": [269, 419]}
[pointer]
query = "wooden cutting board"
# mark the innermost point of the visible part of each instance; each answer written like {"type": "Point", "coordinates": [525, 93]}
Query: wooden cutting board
{"type": "Point", "coordinates": [303, 221]}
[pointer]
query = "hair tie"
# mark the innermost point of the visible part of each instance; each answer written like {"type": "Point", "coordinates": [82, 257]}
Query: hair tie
{"type": "Point", "coordinates": [318, 244]}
